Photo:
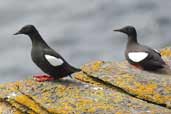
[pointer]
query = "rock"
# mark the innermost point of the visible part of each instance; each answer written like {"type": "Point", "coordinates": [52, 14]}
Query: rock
{"type": "Point", "coordinates": [102, 88]}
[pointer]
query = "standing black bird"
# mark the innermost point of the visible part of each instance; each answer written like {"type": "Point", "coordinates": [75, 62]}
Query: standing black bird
{"type": "Point", "coordinates": [45, 57]}
{"type": "Point", "coordinates": [139, 55]}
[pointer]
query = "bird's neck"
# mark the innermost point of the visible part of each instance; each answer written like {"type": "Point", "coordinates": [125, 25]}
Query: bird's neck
{"type": "Point", "coordinates": [37, 39]}
{"type": "Point", "coordinates": [132, 39]}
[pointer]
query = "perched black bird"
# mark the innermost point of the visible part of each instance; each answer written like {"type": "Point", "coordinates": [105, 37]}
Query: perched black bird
{"type": "Point", "coordinates": [139, 55]}
{"type": "Point", "coordinates": [45, 57]}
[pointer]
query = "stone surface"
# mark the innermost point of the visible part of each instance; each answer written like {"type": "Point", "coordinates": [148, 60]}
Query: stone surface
{"type": "Point", "coordinates": [102, 88]}
{"type": "Point", "coordinates": [150, 86]}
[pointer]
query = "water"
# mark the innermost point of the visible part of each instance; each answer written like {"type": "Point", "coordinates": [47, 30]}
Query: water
{"type": "Point", "coordinates": [81, 31]}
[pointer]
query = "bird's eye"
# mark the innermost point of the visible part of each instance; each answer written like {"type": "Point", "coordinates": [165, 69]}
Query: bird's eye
{"type": "Point", "coordinates": [129, 29]}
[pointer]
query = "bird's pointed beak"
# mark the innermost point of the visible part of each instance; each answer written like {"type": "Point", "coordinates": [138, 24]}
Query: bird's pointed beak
{"type": "Point", "coordinates": [17, 33]}
{"type": "Point", "coordinates": [117, 30]}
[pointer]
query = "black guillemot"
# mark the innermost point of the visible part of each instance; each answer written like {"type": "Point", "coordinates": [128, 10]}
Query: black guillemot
{"type": "Point", "coordinates": [139, 55]}
{"type": "Point", "coordinates": [46, 58]}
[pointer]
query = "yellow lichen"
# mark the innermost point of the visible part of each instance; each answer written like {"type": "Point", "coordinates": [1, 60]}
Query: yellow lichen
{"type": "Point", "coordinates": [93, 106]}
{"type": "Point", "coordinates": [63, 108]}
{"type": "Point", "coordinates": [96, 65]}
{"type": "Point", "coordinates": [166, 52]}
{"type": "Point", "coordinates": [84, 78]}
{"type": "Point", "coordinates": [124, 80]}
{"type": "Point", "coordinates": [148, 92]}
{"type": "Point", "coordinates": [24, 100]}
{"type": "Point", "coordinates": [122, 112]}
{"type": "Point", "coordinates": [147, 89]}
{"type": "Point", "coordinates": [17, 112]}
{"type": "Point", "coordinates": [92, 67]}
{"type": "Point", "coordinates": [93, 97]}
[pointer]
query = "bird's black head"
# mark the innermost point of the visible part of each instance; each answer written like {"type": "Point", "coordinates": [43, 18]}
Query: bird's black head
{"type": "Point", "coordinates": [27, 30]}
{"type": "Point", "coordinates": [129, 30]}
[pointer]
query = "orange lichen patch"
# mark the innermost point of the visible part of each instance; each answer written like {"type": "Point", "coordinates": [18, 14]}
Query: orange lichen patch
{"type": "Point", "coordinates": [24, 100]}
{"type": "Point", "coordinates": [166, 52]}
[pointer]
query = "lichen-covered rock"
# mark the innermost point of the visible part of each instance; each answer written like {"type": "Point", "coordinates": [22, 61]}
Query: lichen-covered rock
{"type": "Point", "coordinates": [67, 97]}
{"type": "Point", "coordinates": [149, 86]}
{"type": "Point", "coordinates": [102, 88]}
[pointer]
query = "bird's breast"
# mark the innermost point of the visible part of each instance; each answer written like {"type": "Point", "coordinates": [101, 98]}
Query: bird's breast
{"type": "Point", "coordinates": [37, 56]}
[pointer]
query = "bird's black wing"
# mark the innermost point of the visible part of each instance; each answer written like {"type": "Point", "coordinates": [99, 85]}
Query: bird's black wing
{"type": "Point", "coordinates": [154, 57]}
{"type": "Point", "coordinates": [66, 66]}
{"type": "Point", "coordinates": [157, 51]}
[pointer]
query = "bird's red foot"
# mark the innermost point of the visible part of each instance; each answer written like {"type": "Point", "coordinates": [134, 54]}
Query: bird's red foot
{"type": "Point", "coordinates": [138, 67]}
{"type": "Point", "coordinates": [42, 78]}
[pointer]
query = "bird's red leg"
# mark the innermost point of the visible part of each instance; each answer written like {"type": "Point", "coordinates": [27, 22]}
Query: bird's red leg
{"type": "Point", "coordinates": [137, 66]}
{"type": "Point", "coordinates": [42, 78]}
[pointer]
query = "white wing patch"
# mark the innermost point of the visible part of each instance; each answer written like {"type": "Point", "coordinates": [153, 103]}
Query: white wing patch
{"type": "Point", "coordinates": [137, 56]}
{"type": "Point", "coordinates": [53, 60]}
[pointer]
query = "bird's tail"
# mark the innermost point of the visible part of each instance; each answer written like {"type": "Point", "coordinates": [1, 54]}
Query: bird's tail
{"type": "Point", "coordinates": [165, 70]}
{"type": "Point", "coordinates": [70, 70]}
{"type": "Point", "coordinates": [73, 69]}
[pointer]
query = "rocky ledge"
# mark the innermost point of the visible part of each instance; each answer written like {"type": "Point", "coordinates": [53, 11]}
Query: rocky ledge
{"type": "Point", "coordinates": [101, 88]}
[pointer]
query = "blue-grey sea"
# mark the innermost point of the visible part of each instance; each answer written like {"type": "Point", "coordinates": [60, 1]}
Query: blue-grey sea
{"type": "Point", "coordinates": [80, 30]}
